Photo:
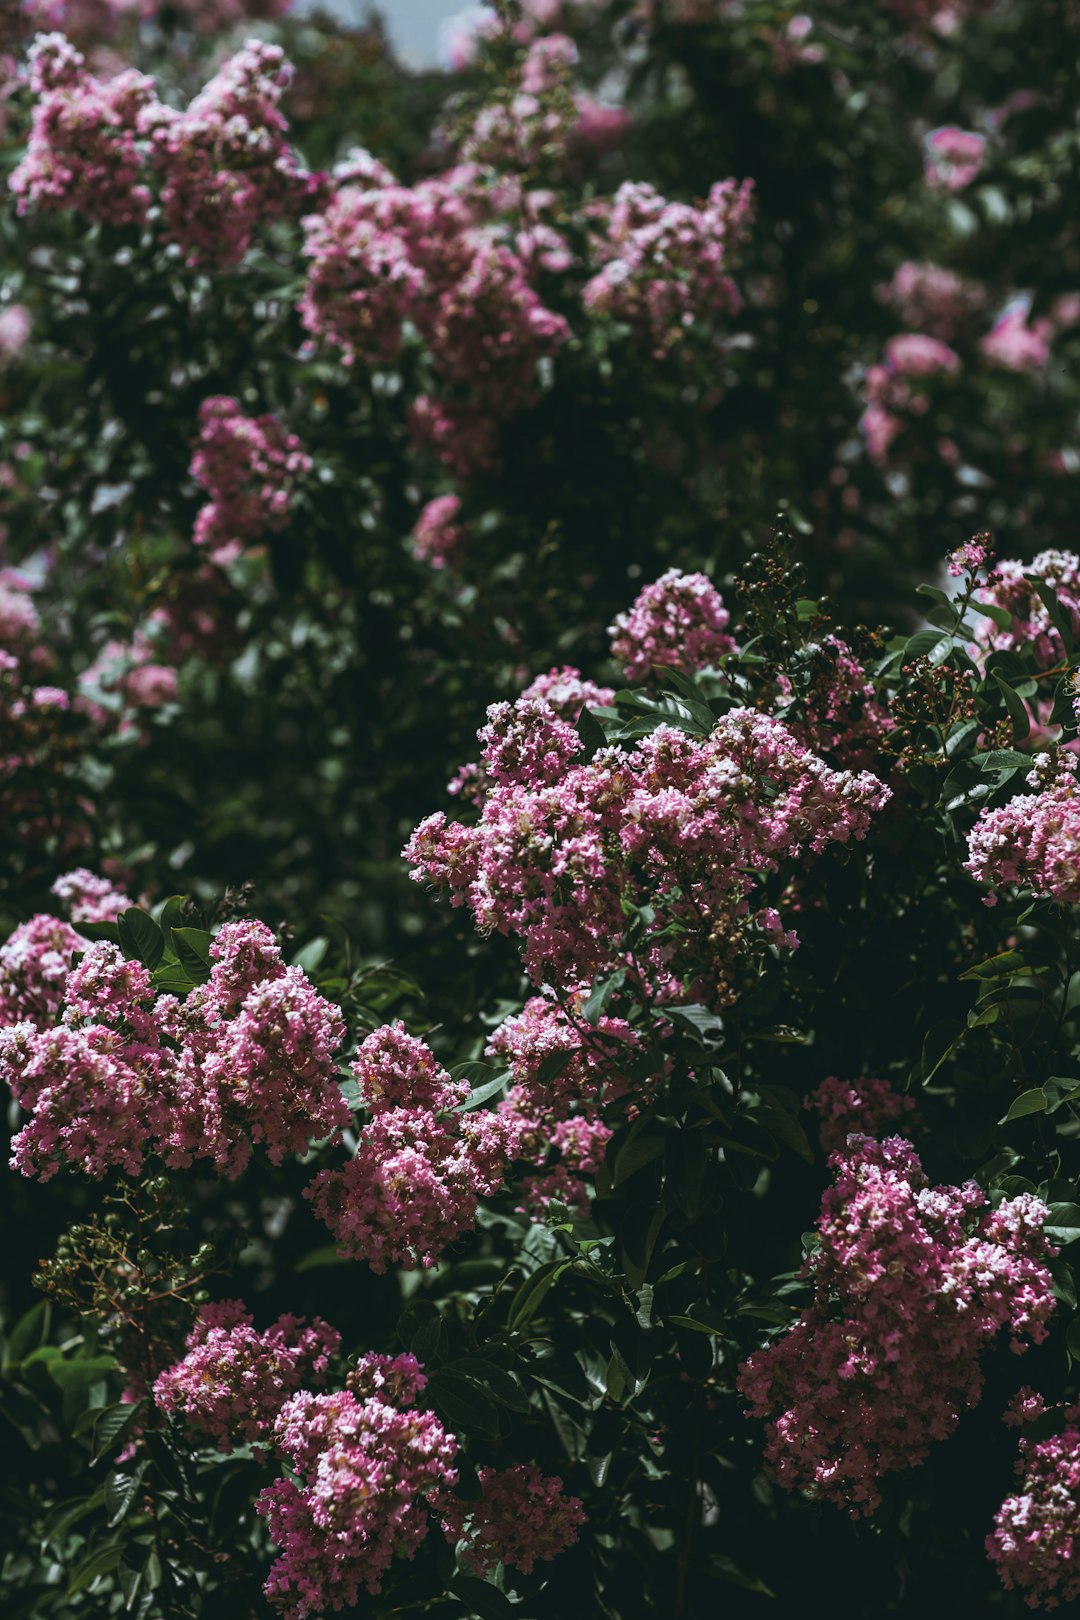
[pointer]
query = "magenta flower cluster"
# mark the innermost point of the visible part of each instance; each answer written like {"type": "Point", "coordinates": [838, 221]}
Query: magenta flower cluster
{"type": "Point", "coordinates": [248, 1058]}
{"type": "Point", "coordinates": [421, 1163]}
{"type": "Point", "coordinates": [1034, 840]}
{"type": "Point", "coordinates": [222, 167]}
{"type": "Point", "coordinates": [522, 1518]}
{"type": "Point", "coordinates": [898, 387]}
{"type": "Point", "coordinates": [911, 1283]}
{"type": "Point", "coordinates": [933, 299]}
{"type": "Point", "coordinates": [682, 824]}
{"type": "Point", "coordinates": [1035, 1542]}
{"type": "Point", "coordinates": [88, 897]}
{"type": "Point", "coordinates": [843, 716]}
{"type": "Point", "coordinates": [364, 1469]}
{"type": "Point", "coordinates": [438, 538]}
{"type": "Point", "coordinates": [678, 622]}
{"type": "Point", "coordinates": [664, 262]}
{"type": "Point", "coordinates": [1012, 585]}
{"type": "Point", "coordinates": [863, 1107]}
{"type": "Point", "coordinates": [84, 150]}
{"type": "Point", "coordinates": [383, 255]}
{"type": "Point", "coordinates": [35, 961]}
{"type": "Point", "coordinates": [233, 1380]}
{"type": "Point", "coordinates": [249, 466]}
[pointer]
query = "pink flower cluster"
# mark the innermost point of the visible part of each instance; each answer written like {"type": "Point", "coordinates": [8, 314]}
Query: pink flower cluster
{"type": "Point", "coordinates": [249, 466]}
{"type": "Point", "coordinates": [930, 298]}
{"type": "Point", "coordinates": [35, 962]}
{"type": "Point", "coordinates": [412, 1187]}
{"type": "Point", "coordinates": [843, 716]}
{"type": "Point", "coordinates": [247, 1058]}
{"type": "Point", "coordinates": [536, 122]}
{"type": "Point", "coordinates": [565, 692]}
{"type": "Point", "coordinates": [384, 254]}
{"type": "Point", "coordinates": [678, 622]}
{"type": "Point", "coordinates": [522, 1518]}
{"type": "Point", "coordinates": [568, 692]}
{"type": "Point", "coordinates": [971, 556]}
{"type": "Point", "coordinates": [39, 731]}
{"type": "Point", "coordinates": [365, 1469]}
{"type": "Point", "coordinates": [1014, 344]}
{"type": "Point", "coordinates": [593, 1058]}
{"type": "Point", "coordinates": [1034, 840]}
{"type": "Point", "coordinates": [1035, 1542]}
{"type": "Point", "coordinates": [954, 158]}
{"type": "Point", "coordinates": [911, 358]}
{"type": "Point", "coordinates": [911, 1283]}
{"type": "Point", "coordinates": [560, 1114]}
{"type": "Point", "coordinates": [15, 327]}
{"type": "Point", "coordinates": [396, 1380]}
{"type": "Point", "coordinates": [579, 1141]}
{"type": "Point", "coordinates": [863, 1107]}
{"type": "Point", "coordinates": [90, 898]}
{"type": "Point", "coordinates": [223, 165]}
{"type": "Point", "coordinates": [19, 618]}
{"type": "Point", "coordinates": [233, 1381]}
{"type": "Point", "coordinates": [664, 262]}
{"type": "Point", "coordinates": [438, 539]}
{"type": "Point", "coordinates": [83, 150]}
{"type": "Point", "coordinates": [126, 678]}
{"type": "Point", "coordinates": [1011, 585]}
{"type": "Point", "coordinates": [683, 825]}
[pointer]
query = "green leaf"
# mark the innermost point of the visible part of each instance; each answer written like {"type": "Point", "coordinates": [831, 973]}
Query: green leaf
{"type": "Point", "coordinates": [101, 1561]}
{"type": "Point", "coordinates": [552, 1066]}
{"type": "Point", "coordinates": [76, 1372]}
{"type": "Point", "coordinates": [990, 610]}
{"type": "Point", "coordinates": [592, 734]}
{"type": "Point", "coordinates": [482, 1599]}
{"type": "Point", "coordinates": [1003, 759]}
{"type": "Point", "coordinates": [113, 1427]}
{"type": "Point", "coordinates": [172, 979]}
{"type": "Point", "coordinates": [939, 597]}
{"type": "Point", "coordinates": [1058, 1091]}
{"type": "Point", "coordinates": [782, 1122]}
{"type": "Point", "coordinates": [703, 1026]}
{"type": "Point", "coordinates": [327, 1254]}
{"type": "Point", "coordinates": [698, 1323]}
{"type": "Point", "coordinates": [171, 913]}
{"type": "Point", "coordinates": [121, 1491]}
{"type": "Point", "coordinates": [29, 1332]}
{"type": "Point", "coordinates": [1060, 617]}
{"type": "Point", "coordinates": [193, 949]}
{"type": "Point", "coordinates": [532, 1293]}
{"type": "Point", "coordinates": [644, 1143]}
{"type": "Point", "coordinates": [1016, 706]}
{"type": "Point", "coordinates": [601, 993]}
{"type": "Point", "coordinates": [995, 967]}
{"type": "Point", "coordinates": [684, 685]}
{"type": "Point", "coordinates": [493, 1087]}
{"type": "Point", "coordinates": [1072, 1340]}
{"type": "Point", "coordinates": [932, 644]}
{"type": "Point", "coordinates": [310, 956]}
{"type": "Point", "coordinates": [1063, 1227]}
{"type": "Point", "coordinates": [140, 937]}
{"type": "Point", "coordinates": [726, 1569]}
{"type": "Point", "coordinates": [1028, 1102]}
{"type": "Point", "coordinates": [462, 1403]}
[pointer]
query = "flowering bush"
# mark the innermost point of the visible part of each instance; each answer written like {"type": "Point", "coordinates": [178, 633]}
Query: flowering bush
{"type": "Point", "coordinates": [529, 467]}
